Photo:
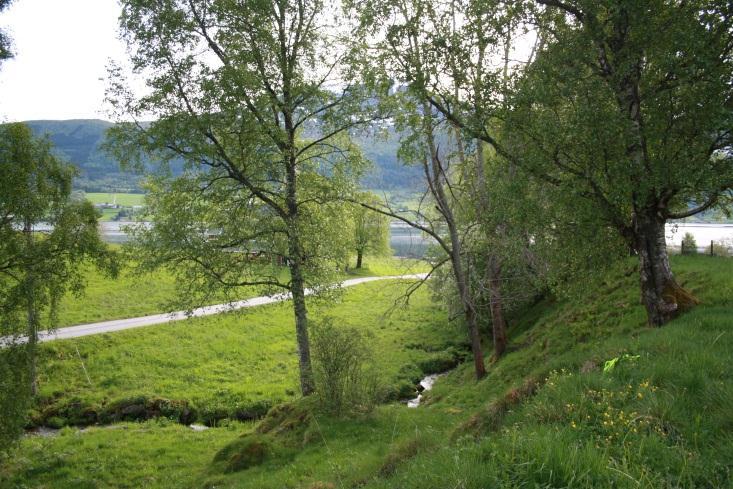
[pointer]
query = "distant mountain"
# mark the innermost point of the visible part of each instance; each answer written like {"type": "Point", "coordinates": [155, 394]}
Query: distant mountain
{"type": "Point", "coordinates": [79, 142]}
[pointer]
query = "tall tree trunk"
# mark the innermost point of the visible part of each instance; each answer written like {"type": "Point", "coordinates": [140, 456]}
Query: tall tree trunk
{"type": "Point", "coordinates": [295, 248]}
{"type": "Point", "coordinates": [493, 261]}
{"type": "Point", "coordinates": [468, 307]}
{"type": "Point", "coordinates": [297, 289]}
{"type": "Point", "coordinates": [437, 177]}
{"type": "Point", "coordinates": [32, 314]}
{"type": "Point", "coordinates": [359, 256]}
{"type": "Point", "coordinates": [661, 295]}
{"type": "Point", "coordinates": [496, 303]}
{"type": "Point", "coordinates": [32, 343]}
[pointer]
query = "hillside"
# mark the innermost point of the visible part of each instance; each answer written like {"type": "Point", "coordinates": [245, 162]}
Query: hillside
{"type": "Point", "coordinates": [588, 397]}
{"type": "Point", "coordinates": [79, 140]}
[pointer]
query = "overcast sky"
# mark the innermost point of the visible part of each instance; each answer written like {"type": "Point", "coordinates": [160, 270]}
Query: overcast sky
{"type": "Point", "coordinates": [61, 51]}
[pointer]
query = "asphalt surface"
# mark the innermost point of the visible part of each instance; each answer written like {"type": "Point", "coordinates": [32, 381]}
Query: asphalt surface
{"type": "Point", "coordinates": [139, 322]}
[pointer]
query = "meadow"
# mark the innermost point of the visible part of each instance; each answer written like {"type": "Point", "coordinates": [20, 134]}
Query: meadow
{"type": "Point", "coordinates": [134, 294]}
{"type": "Point", "coordinates": [234, 365]}
{"type": "Point", "coordinates": [588, 396]}
{"type": "Point", "coordinates": [122, 199]}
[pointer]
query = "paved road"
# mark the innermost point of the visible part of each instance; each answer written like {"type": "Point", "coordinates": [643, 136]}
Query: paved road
{"type": "Point", "coordinates": [120, 324]}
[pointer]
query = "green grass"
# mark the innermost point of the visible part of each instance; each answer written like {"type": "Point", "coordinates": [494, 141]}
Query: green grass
{"type": "Point", "coordinates": [541, 418]}
{"type": "Point", "coordinates": [132, 295]}
{"type": "Point", "coordinates": [155, 454]}
{"type": "Point", "coordinates": [124, 297]}
{"type": "Point", "coordinates": [233, 363]}
{"type": "Point", "coordinates": [664, 419]}
{"type": "Point", "coordinates": [125, 200]}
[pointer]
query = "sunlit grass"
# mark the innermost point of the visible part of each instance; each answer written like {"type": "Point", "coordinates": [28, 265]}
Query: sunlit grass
{"type": "Point", "coordinates": [545, 416]}
{"type": "Point", "coordinates": [133, 295]}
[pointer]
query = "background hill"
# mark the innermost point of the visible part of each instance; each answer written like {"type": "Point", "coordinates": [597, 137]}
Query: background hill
{"type": "Point", "coordinates": [79, 140]}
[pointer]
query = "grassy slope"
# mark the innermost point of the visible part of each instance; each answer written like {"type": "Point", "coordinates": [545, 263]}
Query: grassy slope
{"type": "Point", "coordinates": [234, 361]}
{"type": "Point", "coordinates": [663, 419]}
{"type": "Point", "coordinates": [131, 296]}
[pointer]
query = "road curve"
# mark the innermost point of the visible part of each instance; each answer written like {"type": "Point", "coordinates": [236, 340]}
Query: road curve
{"type": "Point", "coordinates": [130, 323]}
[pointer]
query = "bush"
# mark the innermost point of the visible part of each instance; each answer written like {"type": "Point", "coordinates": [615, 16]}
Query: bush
{"type": "Point", "coordinates": [437, 363]}
{"type": "Point", "coordinates": [689, 245]}
{"type": "Point", "coordinates": [15, 394]}
{"type": "Point", "coordinates": [341, 368]}
{"type": "Point", "coordinates": [722, 248]}
{"type": "Point", "coordinates": [399, 391]}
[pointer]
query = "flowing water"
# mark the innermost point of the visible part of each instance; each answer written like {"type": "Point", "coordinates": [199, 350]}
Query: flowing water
{"type": "Point", "coordinates": [426, 384]}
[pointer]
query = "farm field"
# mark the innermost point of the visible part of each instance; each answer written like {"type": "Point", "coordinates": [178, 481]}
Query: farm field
{"type": "Point", "coordinates": [122, 199]}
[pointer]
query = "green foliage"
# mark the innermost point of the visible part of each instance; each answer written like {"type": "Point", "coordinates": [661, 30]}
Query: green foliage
{"type": "Point", "coordinates": [343, 360]}
{"type": "Point", "coordinates": [614, 146]}
{"type": "Point", "coordinates": [5, 41]}
{"type": "Point", "coordinates": [689, 245]}
{"type": "Point", "coordinates": [16, 394]}
{"type": "Point", "coordinates": [80, 141]}
{"type": "Point", "coordinates": [371, 229]}
{"type": "Point", "coordinates": [263, 136]}
{"type": "Point", "coordinates": [37, 269]}
{"type": "Point", "coordinates": [440, 362]}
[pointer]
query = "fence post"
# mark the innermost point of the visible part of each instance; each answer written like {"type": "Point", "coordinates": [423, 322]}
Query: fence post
{"type": "Point", "coordinates": [682, 247]}
{"type": "Point", "coordinates": [711, 248]}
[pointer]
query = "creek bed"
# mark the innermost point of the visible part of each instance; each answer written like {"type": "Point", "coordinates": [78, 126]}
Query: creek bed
{"type": "Point", "coordinates": [426, 384]}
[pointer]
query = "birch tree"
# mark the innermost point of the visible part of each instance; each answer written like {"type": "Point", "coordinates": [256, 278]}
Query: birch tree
{"type": "Point", "coordinates": [256, 98]}
{"type": "Point", "coordinates": [626, 114]}
{"type": "Point", "coordinates": [36, 267]}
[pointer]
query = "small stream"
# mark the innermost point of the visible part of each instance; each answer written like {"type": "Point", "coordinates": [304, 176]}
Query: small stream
{"type": "Point", "coordinates": [42, 431]}
{"type": "Point", "coordinates": [425, 385]}
{"type": "Point", "coordinates": [46, 432]}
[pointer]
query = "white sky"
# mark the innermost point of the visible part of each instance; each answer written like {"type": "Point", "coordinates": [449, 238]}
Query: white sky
{"type": "Point", "coordinates": [61, 50]}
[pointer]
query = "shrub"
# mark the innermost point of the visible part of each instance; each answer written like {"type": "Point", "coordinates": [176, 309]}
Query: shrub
{"type": "Point", "coordinates": [341, 368]}
{"type": "Point", "coordinates": [15, 394]}
{"type": "Point", "coordinates": [440, 362]}
{"type": "Point", "coordinates": [689, 245]}
{"type": "Point", "coordinates": [397, 392]}
{"type": "Point", "coordinates": [722, 248]}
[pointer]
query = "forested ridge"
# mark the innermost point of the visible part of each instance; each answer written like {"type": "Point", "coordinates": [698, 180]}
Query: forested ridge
{"type": "Point", "coordinates": [79, 142]}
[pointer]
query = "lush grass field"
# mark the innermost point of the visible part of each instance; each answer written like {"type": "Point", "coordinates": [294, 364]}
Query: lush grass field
{"type": "Point", "coordinates": [154, 454]}
{"type": "Point", "coordinates": [125, 200]}
{"type": "Point", "coordinates": [132, 295]}
{"type": "Point", "coordinates": [128, 295]}
{"type": "Point", "coordinates": [547, 415]}
{"type": "Point", "coordinates": [235, 363]}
